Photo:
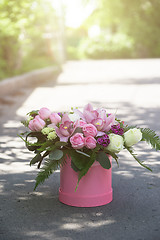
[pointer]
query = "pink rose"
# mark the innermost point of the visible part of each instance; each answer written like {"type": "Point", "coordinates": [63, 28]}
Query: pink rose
{"type": "Point", "coordinates": [37, 124]}
{"type": "Point", "coordinates": [44, 113]}
{"type": "Point", "coordinates": [77, 141]}
{"type": "Point", "coordinates": [55, 118]}
{"type": "Point", "coordinates": [90, 142]}
{"type": "Point", "coordinates": [89, 130]}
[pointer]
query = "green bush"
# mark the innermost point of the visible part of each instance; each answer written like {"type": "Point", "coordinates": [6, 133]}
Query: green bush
{"type": "Point", "coordinates": [117, 46]}
{"type": "Point", "coordinates": [72, 53]}
{"type": "Point", "coordinates": [26, 40]}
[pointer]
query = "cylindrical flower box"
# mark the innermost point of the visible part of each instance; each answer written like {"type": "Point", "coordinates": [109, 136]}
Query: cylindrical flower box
{"type": "Point", "coordinates": [94, 189]}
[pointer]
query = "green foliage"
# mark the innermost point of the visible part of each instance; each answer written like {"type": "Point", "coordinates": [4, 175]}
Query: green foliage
{"type": "Point", "coordinates": [72, 53]}
{"type": "Point", "coordinates": [87, 166]}
{"type": "Point", "coordinates": [49, 167]}
{"type": "Point", "coordinates": [113, 156]}
{"type": "Point", "coordinates": [56, 154]}
{"type": "Point", "coordinates": [78, 159]}
{"type": "Point", "coordinates": [103, 48]}
{"type": "Point", "coordinates": [137, 19]}
{"type": "Point", "coordinates": [60, 144]}
{"type": "Point", "coordinates": [23, 26]}
{"type": "Point", "coordinates": [103, 159]}
{"type": "Point", "coordinates": [130, 150]}
{"type": "Point", "coordinates": [131, 26]}
{"type": "Point", "coordinates": [150, 137]}
{"type": "Point", "coordinates": [36, 159]}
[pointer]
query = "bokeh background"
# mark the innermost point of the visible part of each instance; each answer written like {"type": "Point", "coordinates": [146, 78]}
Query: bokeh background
{"type": "Point", "coordinates": [39, 33]}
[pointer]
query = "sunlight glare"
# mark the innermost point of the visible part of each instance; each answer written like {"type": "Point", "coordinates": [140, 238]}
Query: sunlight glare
{"type": "Point", "coordinates": [75, 11]}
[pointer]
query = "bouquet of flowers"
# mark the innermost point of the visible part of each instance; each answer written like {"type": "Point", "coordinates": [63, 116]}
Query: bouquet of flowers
{"type": "Point", "coordinates": [88, 136]}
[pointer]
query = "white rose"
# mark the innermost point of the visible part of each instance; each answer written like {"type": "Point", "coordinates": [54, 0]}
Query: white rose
{"type": "Point", "coordinates": [116, 143]}
{"type": "Point", "coordinates": [132, 137]}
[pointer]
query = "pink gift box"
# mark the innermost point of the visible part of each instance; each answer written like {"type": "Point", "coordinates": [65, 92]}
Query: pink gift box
{"type": "Point", "coordinates": [94, 189]}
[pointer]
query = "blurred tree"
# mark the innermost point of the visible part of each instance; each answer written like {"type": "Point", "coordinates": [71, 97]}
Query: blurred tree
{"type": "Point", "coordinates": [127, 29]}
{"type": "Point", "coordinates": [27, 33]}
{"type": "Point", "coordinates": [138, 19]}
{"type": "Point", "coordinates": [12, 21]}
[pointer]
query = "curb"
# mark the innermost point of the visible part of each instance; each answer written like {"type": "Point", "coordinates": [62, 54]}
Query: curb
{"type": "Point", "coordinates": [33, 78]}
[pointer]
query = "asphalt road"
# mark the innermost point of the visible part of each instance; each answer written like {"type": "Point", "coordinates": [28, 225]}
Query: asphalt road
{"type": "Point", "coordinates": [131, 88]}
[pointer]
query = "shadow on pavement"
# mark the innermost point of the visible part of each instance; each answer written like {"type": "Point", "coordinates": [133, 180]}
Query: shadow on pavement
{"type": "Point", "coordinates": [134, 212]}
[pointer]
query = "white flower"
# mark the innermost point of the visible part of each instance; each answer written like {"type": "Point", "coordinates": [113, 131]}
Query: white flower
{"type": "Point", "coordinates": [116, 143]}
{"type": "Point", "coordinates": [74, 117]}
{"type": "Point", "coordinates": [132, 137]}
{"type": "Point", "coordinates": [52, 135]}
{"type": "Point", "coordinates": [47, 130]}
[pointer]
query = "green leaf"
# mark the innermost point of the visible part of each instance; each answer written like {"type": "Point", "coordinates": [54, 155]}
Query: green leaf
{"type": "Point", "coordinates": [40, 140]}
{"type": "Point", "coordinates": [36, 159]}
{"type": "Point", "coordinates": [151, 138]}
{"type": "Point", "coordinates": [86, 168]}
{"type": "Point", "coordinates": [56, 154]}
{"type": "Point", "coordinates": [49, 167]}
{"type": "Point", "coordinates": [33, 113]}
{"type": "Point", "coordinates": [46, 145]}
{"type": "Point", "coordinates": [78, 130]}
{"type": "Point", "coordinates": [78, 159]}
{"type": "Point", "coordinates": [60, 144]}
{"type": "Point", "coordinates": [43, 156]}
{"type": "Point", "coordinates": [130, 150]}
{"type": "Point", "coordinates": [113, 155]}
{"type": "Point", "coordinates": [126, 128]}
{"type": "Point", "coordinates": [103, 159]}
{"type": "Point", "coordinates": [83, 153]}
{"type": "Point", "coordinates": [25, 123]}
{"type": "Point", "coordinates": [74, 167]}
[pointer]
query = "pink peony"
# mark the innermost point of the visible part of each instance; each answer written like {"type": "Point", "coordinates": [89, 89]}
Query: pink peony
{"type": "Point", "coordinates": [44, 113]}
{"type": "Point", "coordinates": [37, 124]}
{"type": "Point", "coordinates": [77, 141]}
{"type": "Point", "coordinates": [55, 118]}
{"type": "Point", "coordinates": [90, 142]}
{"type": "Point", "coordinates": [89, 130]}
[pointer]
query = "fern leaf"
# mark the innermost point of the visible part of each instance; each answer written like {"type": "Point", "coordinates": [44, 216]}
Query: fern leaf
{"type": "Point", "coordinates": [49, 167]}
{"type": "Point", "coordinates": [130, 150]}
{"type": "Point", "coordinates": [126, 128]}
{"type": "Point", "coordinates": [150, 137]}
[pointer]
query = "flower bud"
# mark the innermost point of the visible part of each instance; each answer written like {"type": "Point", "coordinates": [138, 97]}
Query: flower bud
{"type": "Point", "coordinates": [132, 137]}
{"type": "Point", "coordinates": [52, 135]}
{"type": "Point", "coordinates": [44, 113]}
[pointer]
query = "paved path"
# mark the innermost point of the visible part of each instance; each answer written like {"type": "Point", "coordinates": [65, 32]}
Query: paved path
{"type": "Point", "coordinates": [129, 87]}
